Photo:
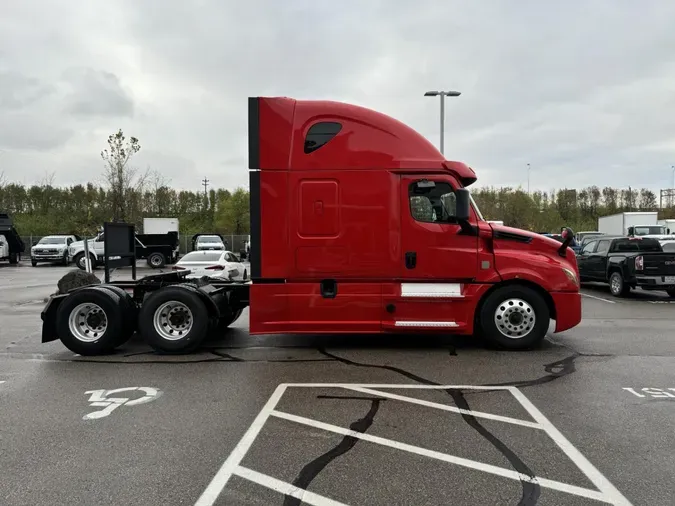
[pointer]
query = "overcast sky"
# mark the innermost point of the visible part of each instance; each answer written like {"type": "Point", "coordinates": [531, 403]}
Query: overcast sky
{"type": "Point", "coordinates": [584, 91]}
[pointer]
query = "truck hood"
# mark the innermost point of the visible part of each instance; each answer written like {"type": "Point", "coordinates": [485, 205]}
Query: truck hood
{"type": "Point", "coordinates": [524, 236]}
{"type": "Point", "coordinates": [80, 244]}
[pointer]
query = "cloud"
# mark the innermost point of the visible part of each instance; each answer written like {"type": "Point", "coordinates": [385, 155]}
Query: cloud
{"type": "Point", "coordinates": [582, 90]}
{"type": "Point", "coordinates": [96, 93]}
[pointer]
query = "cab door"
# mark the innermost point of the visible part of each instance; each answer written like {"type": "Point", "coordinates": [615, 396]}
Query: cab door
{"type": "Point", "coordinates": [433, 244]}
{"type": "Point", "coordinates": [438, 260]}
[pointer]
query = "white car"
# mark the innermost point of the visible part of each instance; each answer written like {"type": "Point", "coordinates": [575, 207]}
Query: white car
{"type": "Point", "coordinates": [52, 248]}
{"type": "Point", "coordinates": [214, 264]}
{"type": "Point", "coordinates": [4, 248]}
{"type": "Point", "coordinates": [209, 242]}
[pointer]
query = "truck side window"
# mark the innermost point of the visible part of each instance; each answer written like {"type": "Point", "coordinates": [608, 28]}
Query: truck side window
{"type": "Point", "coordinates": [432, 205]}
{"type": "Point", "coordinates": [319, 134]}
{"type": "Point", "coordinates": [603, 247]}
{"type": "Point", "coordinates": [588, 249]}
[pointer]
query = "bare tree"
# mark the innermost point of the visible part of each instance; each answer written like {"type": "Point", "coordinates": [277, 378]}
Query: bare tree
{"type": "Point", "coordinates": [47, 179]}
{"type": "Point", "coordinates": [121, 178]}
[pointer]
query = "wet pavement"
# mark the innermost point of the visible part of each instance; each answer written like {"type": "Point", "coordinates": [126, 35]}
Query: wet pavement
{"type": "Point", "coordinates": [585, 419]}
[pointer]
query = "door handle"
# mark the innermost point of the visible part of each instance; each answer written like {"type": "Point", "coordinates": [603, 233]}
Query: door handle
{"type": "Point", "coordinates": [410, 259]}
{"type": "Point", "coordinates": [328, 288]}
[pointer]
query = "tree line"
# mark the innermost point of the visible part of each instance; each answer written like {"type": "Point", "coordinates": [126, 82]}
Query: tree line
{"type": "Point", "coordinates": [81, 209]}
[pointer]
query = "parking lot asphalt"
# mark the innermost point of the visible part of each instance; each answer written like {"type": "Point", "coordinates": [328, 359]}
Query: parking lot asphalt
{"type": "Point", "coordinates": [584, 419]}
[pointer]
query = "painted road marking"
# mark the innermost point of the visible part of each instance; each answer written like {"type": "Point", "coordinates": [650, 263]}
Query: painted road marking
{"type": "Point", "coordinates": [100, 399]}
{"type": "Point", "coordinates": [658, 393]}
{"type": "Point", "coordinates": [305, 496]}
{"type": "Point", "coordinates": [605, 491]}
{"type": "Point", "coordinates": [598, 298]}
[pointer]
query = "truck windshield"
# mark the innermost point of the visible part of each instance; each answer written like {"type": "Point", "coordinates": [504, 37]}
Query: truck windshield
{"type": "Point", "coordinates": [654, 230]}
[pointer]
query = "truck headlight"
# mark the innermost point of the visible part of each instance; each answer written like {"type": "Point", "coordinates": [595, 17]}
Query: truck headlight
{"type": "Point", "coordinates": [571, 275]}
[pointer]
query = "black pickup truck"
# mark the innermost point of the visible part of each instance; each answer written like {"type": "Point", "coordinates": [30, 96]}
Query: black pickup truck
{"type": "Point", "coordinates": [626, 263]}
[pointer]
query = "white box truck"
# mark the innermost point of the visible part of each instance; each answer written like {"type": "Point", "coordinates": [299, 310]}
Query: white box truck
{"type": "Point", "coordinates": [160, 225]}
{"type": "Point", "coordinates": [636, 223]}
{"type": "Point", "coordinates": [669, 224]}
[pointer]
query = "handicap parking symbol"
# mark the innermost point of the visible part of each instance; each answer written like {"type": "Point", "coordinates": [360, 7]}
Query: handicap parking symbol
{"type": "Point", "coordinates": [102, 399]}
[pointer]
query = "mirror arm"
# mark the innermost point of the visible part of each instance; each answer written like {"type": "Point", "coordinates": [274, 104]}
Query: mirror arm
{"type": "Point", "coordinates": [467, 228]}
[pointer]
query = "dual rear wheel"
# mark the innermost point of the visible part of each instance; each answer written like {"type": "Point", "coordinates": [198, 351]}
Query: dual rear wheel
{"type": "Point", "coordinates": [97, 319]}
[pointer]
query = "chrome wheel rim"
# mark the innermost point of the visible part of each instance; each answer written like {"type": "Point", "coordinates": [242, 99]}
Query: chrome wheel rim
{"type": "Point", "coordinates": [173, 320]}
{"type": "Point", "coordinates": [155, 260]}
{"type": "Point", "coordinates": [515, 318]}
{"type": "Point", "coordinates": [615, 284]}
{"type": "Point", "coordinates": [87, 322]}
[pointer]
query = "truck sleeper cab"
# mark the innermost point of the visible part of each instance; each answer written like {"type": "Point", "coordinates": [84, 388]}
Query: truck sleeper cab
{"type": "Point", "coordinates": [363, 226]}
{"type": "Point", "coordinates": [358, 225]}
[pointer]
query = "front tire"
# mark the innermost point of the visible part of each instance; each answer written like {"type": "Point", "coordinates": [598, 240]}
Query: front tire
{"type": "Point", "coordinates": [514, 318]}
{"type": "Point", "coordinates": [671, 293]}
{"type": "Point", "coordinates": [173, 320]}
{"type": "Point", "coordinates": [33, 263]}
{"type": "Point", "coordinates": [13, 258]}
{"type": "Point", "coordinates": [617, 285]}
{"type": "Point", "coordinates": [90, 321]}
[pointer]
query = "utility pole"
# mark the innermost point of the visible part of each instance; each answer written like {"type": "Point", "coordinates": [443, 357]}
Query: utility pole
{"type": "Point", "coordinates": [442, 94]}
{"type": "Point", "coordinates": [205, 184]}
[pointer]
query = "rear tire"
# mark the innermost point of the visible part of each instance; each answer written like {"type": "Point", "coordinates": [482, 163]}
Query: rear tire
{"type": "Point", "coordinates": [671, 293]}
{"type": "Point", "coordinates": [13, 258]}
{"type": "Point", "coordinates": [514, 318]}
{"type": "Point", "coordinates": [245, 275]}
{"type": "Point", "coordinates": [129, 312]}
{"type": "Point", "coordinates": [617, 286]}
{"type": "Point", "coordinates": [173, 320]}
{"type": "Point", "coordinates": [90, 321]}
{"type": "Point", "coordinates": [156, 260]}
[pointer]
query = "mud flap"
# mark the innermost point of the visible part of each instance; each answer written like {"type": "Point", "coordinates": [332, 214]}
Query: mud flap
{"type": "Point", "coordinates": [48, 317]}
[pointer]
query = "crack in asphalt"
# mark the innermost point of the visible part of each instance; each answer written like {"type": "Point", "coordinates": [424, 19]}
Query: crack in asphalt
{"type": "Point", "coordinates": [530, 489]}
{"type": "Point", "coordinates": [313, 468]}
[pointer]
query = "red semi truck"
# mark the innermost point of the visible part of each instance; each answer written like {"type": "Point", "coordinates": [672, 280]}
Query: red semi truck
{"type": "Point", "coordinates": [359, 225]}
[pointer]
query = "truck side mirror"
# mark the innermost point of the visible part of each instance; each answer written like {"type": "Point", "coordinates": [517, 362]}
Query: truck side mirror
{"type": "Point", "coordinates": [462, 205]}
{"type": "Point", "coordinates": [631, 230]}
{"type": "Point", "coordinates": [567, 236]}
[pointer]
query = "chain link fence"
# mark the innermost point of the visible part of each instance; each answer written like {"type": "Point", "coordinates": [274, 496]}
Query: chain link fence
{"type": "Point", "coordinates": [234, 243]}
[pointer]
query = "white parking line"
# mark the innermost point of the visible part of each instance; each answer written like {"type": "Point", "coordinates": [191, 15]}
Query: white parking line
{"type": "Point", "coordinates": [598, 298]}
{"type": "Point", "coordinates": [604, 491]}
{"type": "Point", "coordinates": [284, 488]}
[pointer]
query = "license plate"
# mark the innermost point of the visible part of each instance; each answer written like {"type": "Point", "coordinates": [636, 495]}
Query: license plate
{"type": "Point", "coordinates": [669, 280]}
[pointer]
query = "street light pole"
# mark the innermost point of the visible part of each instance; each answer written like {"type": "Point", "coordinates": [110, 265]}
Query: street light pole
{"type": "Point", "coordinates": [528, 178]}
{"type": "Point", "coordinates": [442, 94]}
